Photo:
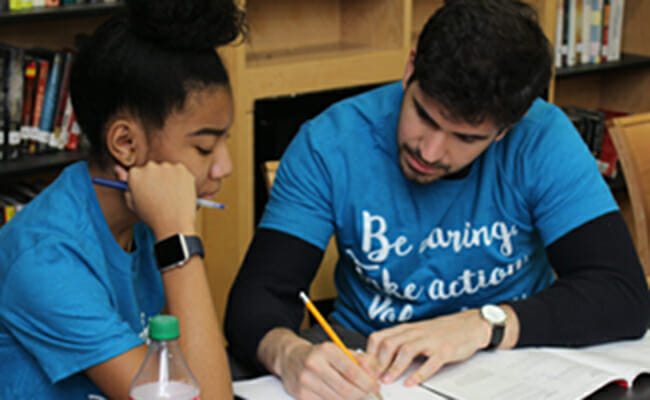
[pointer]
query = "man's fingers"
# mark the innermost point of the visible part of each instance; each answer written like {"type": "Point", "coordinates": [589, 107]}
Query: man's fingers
{"type": "Point", "coordinates": [404, 357]}
{"type": "Point", "coordinates": [426, 371]}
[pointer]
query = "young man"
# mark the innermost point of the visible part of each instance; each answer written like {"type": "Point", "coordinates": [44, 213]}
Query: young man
{"type": "Point", "coordinates": [468, 214]}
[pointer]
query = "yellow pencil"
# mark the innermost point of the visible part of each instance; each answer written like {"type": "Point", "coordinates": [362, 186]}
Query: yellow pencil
{"type": "Point", "coordinates": [326, 326]}
{"type": "Point", "coordinates": [330, 332]}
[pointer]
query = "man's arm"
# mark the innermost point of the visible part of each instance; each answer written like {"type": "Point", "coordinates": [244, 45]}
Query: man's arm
{"type": "Point", "coordinates": [600, 294]}
{"type": "Point", "coordinates": [264, 314]}
{"type": "Point", "coordinates": [265, 293]}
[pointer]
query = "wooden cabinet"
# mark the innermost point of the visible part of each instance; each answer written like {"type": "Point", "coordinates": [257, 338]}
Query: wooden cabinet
{"type": "Point", "coordinates": [298, 47]}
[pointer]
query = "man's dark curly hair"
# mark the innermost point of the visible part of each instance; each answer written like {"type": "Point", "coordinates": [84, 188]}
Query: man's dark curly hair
{"type": "Point", "coordinates": [148, 60]}
{"type": "Point", "coordinates": [483, 60]}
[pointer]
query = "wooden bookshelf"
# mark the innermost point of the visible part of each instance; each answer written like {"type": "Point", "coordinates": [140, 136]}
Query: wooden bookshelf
{"type": "Point", "coordinates": [298, 46]}
{"type": "Point", "coordinates": [37, 164]}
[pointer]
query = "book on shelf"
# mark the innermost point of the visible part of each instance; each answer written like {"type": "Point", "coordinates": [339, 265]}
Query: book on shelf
{"type": "Point", "coordinates": [617, 8]}
{"type": "Point", "coordinates": [4, 67]}
{"type": "Point", "coordinates": [596, 31]}
{"type": "Point", "coordinates": [36, 139]}
{"type": "Point", "coordinates": [604, 42]}
{"type": "Point", "coordinates": [583, 28]}
{"type": "Point", "coordinates": [29, 93]}
{"type": "Point", "coordinates": [570, 12]}
{"type": "Point", "coordinates": [46, 126]}
{"type": "Point", "coordinates": [559, 34]}
{"type": "Point", "coordinates": [59, 137]}
{"type": "Point", "coordinates": [13, 101]}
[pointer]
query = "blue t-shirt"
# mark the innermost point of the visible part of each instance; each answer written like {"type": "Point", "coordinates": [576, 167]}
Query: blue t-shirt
{"type": "Point", "coordinates": [70, 296]}
{"type": "Point", "coordinates": [410, 251]}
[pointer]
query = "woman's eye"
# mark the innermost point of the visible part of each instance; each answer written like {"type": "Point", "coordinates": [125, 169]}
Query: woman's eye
{"type": "Point", "coordinates": [202, 151]}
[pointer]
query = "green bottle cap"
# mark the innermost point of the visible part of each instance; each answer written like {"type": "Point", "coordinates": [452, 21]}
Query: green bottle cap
{"type": "Point", "coordinates": [163, 327]}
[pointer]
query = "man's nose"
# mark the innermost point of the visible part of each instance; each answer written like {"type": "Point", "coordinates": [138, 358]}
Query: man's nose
{"type": "Point", "coordinates": [433, 146]}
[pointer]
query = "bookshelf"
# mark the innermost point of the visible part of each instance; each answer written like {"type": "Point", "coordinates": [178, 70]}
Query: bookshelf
{"type": "Point", "coordinates": [300, 47]}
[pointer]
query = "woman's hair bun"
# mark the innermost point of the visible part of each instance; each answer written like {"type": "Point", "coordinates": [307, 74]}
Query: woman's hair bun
{"type": "Point", "coordinates": [186, 24]}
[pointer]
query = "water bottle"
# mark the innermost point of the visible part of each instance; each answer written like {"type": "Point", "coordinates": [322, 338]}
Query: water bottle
{"type": "Point", "coordinates": [164, 374]}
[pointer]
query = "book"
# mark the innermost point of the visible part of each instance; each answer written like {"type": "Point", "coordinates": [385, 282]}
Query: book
{"type": "Point", "coordinates": [616, 12]}
{"type": "Point", "coordinates": [52, 3]}
{"type": "Point", "coordinates": [37, 139]}
{"type": "Point", "coordinates": [38, 3]}
{"type": "Point", "coordinates": [4, 82]}
{"type": "Point", "coordinates": [559, 34]}
{"type": "Point", "coordinates": [46, 126]}
{"type": "Point", "coordinates": [14, 102]}
{"type": "Point", "coordinates": [583, 29]}
{"type": "Point", "coordinates": [526, 373]}
{"type": "Point", "coordinates": [70, 128]}
{"type": "Point", "coordinates": [561, 373]}
{"type": "Point", "coordinates": [605, 31]}
{"type": "Point", "coordinates": [29, 92]}
{"type": "Point", "coordinates": [15, 5]}
{"type": "Point", "coordinates": [595, 33]}
{"type": "Point", "coordinates": [58, 140]}
{"type": "Point", "coordinates": [571, 20]}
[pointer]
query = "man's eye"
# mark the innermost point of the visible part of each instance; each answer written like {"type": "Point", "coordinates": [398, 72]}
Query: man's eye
{"type": "Point", "coordinates": [202, 151]}
{"type": "Point", "coordinates": [467, 139]}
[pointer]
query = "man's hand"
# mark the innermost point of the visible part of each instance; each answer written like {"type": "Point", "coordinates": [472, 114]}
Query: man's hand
{"type": "Point", "coordinates": [442, 340]}
{"type": "Point", "coordinates": [322, 371]}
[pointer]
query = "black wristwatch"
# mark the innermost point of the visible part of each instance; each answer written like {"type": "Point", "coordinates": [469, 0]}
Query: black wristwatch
{"type": "Point", "coordinates": [496, 316]}
{"type": "Point", "coordinates": [176, 250]}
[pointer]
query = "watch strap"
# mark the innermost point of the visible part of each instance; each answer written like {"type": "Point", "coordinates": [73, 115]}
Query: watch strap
{"type": "Point", "coordinates": [497, 336]}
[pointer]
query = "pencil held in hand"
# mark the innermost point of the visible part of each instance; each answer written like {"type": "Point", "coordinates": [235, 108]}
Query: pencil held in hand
{"type": "Point", "coordinates": [335, 338]}
{"type": "Point", "coordinates": [326, 326]}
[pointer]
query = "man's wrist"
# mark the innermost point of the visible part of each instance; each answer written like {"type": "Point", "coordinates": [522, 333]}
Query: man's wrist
{"type": "Point", "coordinates": [276, 347]}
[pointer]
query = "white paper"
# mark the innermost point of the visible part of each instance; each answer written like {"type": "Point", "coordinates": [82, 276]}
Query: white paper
{"type": "Point", "coordinates": [269, 387]}
{"type": "Point", "coordinates": [543, 373]}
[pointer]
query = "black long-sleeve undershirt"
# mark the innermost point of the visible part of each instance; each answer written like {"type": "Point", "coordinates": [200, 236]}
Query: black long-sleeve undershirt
{"type": "Point", "coordinates": [600, 294]}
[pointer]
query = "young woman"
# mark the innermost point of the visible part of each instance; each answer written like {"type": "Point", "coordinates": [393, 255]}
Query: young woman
{"type": "Point", "coordinates": [83, 267]}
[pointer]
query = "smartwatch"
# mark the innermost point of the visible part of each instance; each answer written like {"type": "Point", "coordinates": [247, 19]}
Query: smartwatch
{"type": "Point", "coordinates": [176, 250]}
{"type": "Point", "coordinates": [496, 316]}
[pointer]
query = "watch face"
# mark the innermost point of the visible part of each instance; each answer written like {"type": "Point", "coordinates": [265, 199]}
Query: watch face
{"type": "Point", "coordinates": [169, 251]}
{"type": "Point", "coordinates": [493, 314]}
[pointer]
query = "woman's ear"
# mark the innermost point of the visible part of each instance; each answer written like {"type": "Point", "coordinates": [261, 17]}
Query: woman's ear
{"type": "Point", "coordinates": [124, 139]}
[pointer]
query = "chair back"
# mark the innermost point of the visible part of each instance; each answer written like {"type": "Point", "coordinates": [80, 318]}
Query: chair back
{"type": "Point", "coordinates": [631, 137]}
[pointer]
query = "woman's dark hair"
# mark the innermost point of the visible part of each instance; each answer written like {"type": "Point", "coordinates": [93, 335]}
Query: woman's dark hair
{"type": "Point", "coordinates": [483, 59]}
{"type": "Point", "coordinates": [146, 61]}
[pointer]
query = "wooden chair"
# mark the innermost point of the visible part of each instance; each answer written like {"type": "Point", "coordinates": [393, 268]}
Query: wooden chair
{"type": "Point", "coordinates": [322, 289]}
{"type": "Point", "coordinates": [631, 137]}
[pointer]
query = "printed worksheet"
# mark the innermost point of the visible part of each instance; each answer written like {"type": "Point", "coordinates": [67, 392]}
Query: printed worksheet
{"type": "Point", "coordinates": [269, 387]}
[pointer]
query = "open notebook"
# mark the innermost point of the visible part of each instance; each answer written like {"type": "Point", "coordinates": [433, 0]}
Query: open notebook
{"type": "Point", "coordinates": [540, 373]}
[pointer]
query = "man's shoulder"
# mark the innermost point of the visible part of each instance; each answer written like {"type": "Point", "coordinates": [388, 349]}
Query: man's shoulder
{"type": "Point", "coordinates": [543, 123]}
{"type": "Point", "coordinates": [366, 109]}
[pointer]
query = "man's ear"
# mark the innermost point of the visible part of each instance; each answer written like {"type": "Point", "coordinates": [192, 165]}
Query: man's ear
{"type": "Point", "coordinates": [123, 141]}
{"type": "Point", "coordinates": [502, 133]}
{"type": "Point", "coordinates": [408, 71]}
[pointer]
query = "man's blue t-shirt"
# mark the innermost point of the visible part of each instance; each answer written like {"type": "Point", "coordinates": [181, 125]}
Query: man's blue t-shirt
{"type": "Point", "coordinates": [70, 296]}
{"type": "Point", "coordinates": [410, 251]}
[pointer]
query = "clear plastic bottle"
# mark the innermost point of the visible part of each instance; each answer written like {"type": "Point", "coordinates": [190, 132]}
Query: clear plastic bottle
{"type": "Point", "coordinates": [164, 374]}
